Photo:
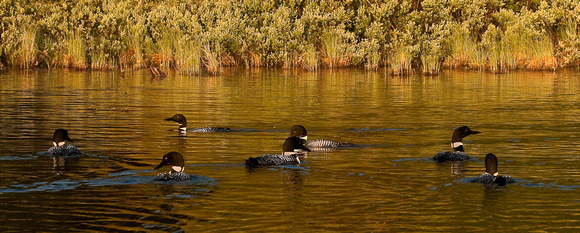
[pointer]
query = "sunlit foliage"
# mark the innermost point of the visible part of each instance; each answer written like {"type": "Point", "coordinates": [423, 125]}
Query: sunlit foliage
{"type": "Point", "coordinates": [192, 37]}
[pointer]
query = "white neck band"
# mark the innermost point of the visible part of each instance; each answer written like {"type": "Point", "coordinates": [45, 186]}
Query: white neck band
{"type": "Point", "coordinates": [456, 144]}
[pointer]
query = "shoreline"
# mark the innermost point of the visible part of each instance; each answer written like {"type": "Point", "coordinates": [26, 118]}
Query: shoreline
{"type": "Point", "coordinates": [207, 36]}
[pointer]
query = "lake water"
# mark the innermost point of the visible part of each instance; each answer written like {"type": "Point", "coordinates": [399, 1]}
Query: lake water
{"type": "Point", "coordinates": [530, 120]}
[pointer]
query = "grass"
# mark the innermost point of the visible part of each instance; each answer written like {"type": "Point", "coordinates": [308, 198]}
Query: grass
{"type": "Point", "coordinates": [309, 60]}
{"type": "Point", "coordinates": [400, 59]}
{"type": "Point", "coordinates": [188, 57]}
{"type": "Point", "coordinates": [27, 53]}
{"type": "Point", "coordinates": [76, 52]}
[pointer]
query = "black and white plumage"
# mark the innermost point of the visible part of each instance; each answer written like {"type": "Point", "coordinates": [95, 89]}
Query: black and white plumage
{"type": "Point", "coordinates": [457, 144]}
{"type": "Point", "coordinates": [273, 159]}
{"type": "Point", "coordinates": [210, 130]}
{"type": "Point", "coordinates": [293, 147]}
{"type": "Point", "coordinates": [64, 150]}
{"type": "Point", "coordinates": [180, 118]}
{"type": "Point", "coordinates": [450, 156]}
{"type": "Point", "coordinates": [177, 163]}
{"type": "Point", "coordinates": [177, 176]}
{"type": "Point", "coordinates": [300, 132]}
{"type": "Point", "coordinates": [60, 147]}
{"type": "Point", "coordinates": [491, 176]}
{"type": "Point", "coordinates": [323, 143]}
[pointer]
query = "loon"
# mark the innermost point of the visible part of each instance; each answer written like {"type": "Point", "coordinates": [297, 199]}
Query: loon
{"type": "Point", "coordinates": [300, 132]}
{"type": "Point", "coordinates": [60, 147]}
{"type": "Point", "coordinates": [178, 165]}
{"type": "Point", "coordinates": [491, 177]}
{"type": "Point", "coordinates": [293, 147]}
{"type": "Point", "coordinates": [180, 118]}
{"type": "Point", "coordinates": [457, 145]}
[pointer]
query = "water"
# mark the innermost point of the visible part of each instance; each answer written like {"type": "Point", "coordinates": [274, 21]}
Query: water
{"type": "Point", "coordinates": [530, 120]}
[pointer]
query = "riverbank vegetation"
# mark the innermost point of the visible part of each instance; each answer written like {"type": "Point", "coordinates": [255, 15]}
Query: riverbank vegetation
{"type": "Point", "coordinates": [191, 37]}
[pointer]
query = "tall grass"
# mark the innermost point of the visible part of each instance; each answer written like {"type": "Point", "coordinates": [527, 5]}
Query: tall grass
{"type": "Point", "coordinates": [76, 51]}
{"type": "Point", "coordinates": [400, 60]}
{"type": "Point", "coordinates": [26, 56]}
{"type": "Point", "coordinates": [464, 52]}
{"type": "Point", "coordinates": [335, 48]}
{"type": "Point", "coordinates": [188, 56]}
{"type": "Point", "coordinates": [211, 59]}
{"type": "Point", "coordinates": [309, 60]}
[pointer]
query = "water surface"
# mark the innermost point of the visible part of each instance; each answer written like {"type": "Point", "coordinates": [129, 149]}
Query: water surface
{"type": "Point", "coordinates": [530, 120]}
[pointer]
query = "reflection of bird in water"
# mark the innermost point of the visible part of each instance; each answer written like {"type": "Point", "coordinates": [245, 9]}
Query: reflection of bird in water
{"type": "Point", "coordinates": [60, 164]}
{"type": "Point", "coordinates": [292, 148]}
{"type": "Point", "coordinates": [491, 176]}
{"type": "Point", "coordinates": [60, 147]}
{"type": "Point", "coordinates": [457, 168]}
{"type": "Point", "coordinates": [457, 145]}
{"type": "Point", "coordinates": [300, 131]}
{"type": "Point", "coordinates": [180, 118]}
{"type": "Point", "coordinates": [177, 167]}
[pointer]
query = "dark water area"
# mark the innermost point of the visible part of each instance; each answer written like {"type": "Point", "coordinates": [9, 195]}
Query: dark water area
{"type": "Point", "coordinates": [530, 120]}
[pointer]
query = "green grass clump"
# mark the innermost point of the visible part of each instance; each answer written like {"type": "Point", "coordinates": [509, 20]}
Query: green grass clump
{"type": "Point", "coordinates": [76, 52]}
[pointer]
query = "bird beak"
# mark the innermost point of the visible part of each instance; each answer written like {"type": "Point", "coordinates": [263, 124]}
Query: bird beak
{"type": "Point", "coordinates": [169, 119]}
{"type": "Point", "coordinates": [474, 132]}
{"type": "Point", "coordinates": [163, 163]}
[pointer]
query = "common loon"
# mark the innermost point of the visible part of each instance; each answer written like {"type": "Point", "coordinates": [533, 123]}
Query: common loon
{"type": "Point", "coordinates": [60, 147]}
{"type": "Point", "coordinates": [491, 176]}
{"type": "Point", "coordinates": [300, 132]}
{"type": "Point", "coordinates": [292, 148]}
{"type": "Point", "coordinates": [457, 145]}
{"type": "Point", "coordinates": [177, 166]}
{"type": "Point", "coordinates": [180, 118]}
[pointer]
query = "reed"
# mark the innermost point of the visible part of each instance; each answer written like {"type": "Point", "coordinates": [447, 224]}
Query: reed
{"type": "Point", "coordinates": [188, 56]}
{"type": "Point", "coordinates": [133, 57]}
{"type": "Point", "coordinates": [76, 48]}
{"type": "Point", "coordinates": [309, 60]}
{"type": "Point", "coordinates": [166, 47]}
{"type": "Point", "coordinates": [400, 60]}
{"type": "Point", "coordinates": [26, 55]}
{"type": "Point", "coordinates": [211, 60]}
{"type": "Point", "coordinates": [98, 58]}
{"type": "Point", "coordinates": [463, 50]}
{"type": "Point", "coordinates": [335, 48]}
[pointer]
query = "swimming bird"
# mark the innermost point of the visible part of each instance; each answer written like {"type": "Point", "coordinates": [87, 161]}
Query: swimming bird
{"type": "Point", "coordinates": [177, 167]}
{"type": "Point", "coordinates": [293, 147]}
{"type": "Point", "coordinates": [457, 145]}
{"type": "Point", "coordinates": [60, 147]}
{"type": "Point", "coordinates": [300, 131]}
{"type": "Point", "coordinates": [491, 175]}
{"type": "Point", "coordinates": [180, 118]}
